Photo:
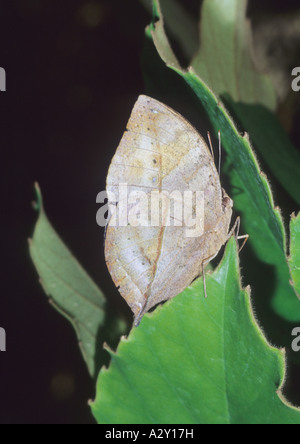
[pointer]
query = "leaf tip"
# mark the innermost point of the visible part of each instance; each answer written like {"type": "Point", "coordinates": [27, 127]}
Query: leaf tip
{"type": "Point", "coordinates": [108, 349]}
{"type": "Point", "coordinates": [263, 175]}
{"type": "Point", "coordinates": [38, 204]}
{"type": "Point", "coordinates": [156, 11]}
{"type": "Point", "coordinates": [246, 137]}
{"type": "Point", "coordinates": [90, 402]}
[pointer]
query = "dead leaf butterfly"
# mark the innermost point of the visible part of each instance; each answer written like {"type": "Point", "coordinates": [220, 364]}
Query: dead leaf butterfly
{"type": "Point", "coordinates": [169, 213]}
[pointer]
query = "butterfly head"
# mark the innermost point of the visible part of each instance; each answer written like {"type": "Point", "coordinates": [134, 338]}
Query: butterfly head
{"type": "Point", "coordinates": [227, 203]}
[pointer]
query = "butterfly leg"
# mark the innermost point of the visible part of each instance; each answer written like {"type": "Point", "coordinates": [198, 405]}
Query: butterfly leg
{"type": "Point", "coordinates": [204, 280]}
{"type": "Point", "coordinates": [235, 230]}
{"type": "Point", "coordinates": [203, 264]}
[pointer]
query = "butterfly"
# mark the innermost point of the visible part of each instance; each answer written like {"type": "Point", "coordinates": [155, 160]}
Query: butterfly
{"type": "Point", "coordinates": [152, 250]}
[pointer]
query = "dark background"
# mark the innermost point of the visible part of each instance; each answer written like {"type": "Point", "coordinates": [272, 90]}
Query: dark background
{"type": "Point", "coordinates": [73, 74]}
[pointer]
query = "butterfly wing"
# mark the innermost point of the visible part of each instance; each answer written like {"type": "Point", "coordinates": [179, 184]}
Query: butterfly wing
{"type": "Point", "coordinates": [160, 152]}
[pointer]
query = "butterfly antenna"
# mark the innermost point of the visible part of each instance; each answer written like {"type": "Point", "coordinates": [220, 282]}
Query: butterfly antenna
{"type": "Point", "coordinates": [210, 145]}
{"type": "Point", "coordinates": [204, 280]}
{"type": "Point", "coordinates": [220, 151]}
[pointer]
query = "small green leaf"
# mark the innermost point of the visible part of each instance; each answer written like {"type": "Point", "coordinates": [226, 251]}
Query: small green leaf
{"type": "Point", "coordinates": [157, 29]}
{"type": "Point", "coordinates": [272, 142]}
{"type": "Point", "coordinates": [183, 27]}
{"type": "Point", "coordinates": [294, 259]}
{"type": "Point", "coordinates": [70, 289]}
{"type": "Point", "coordinates": [196, 360]}
{"type": "Point", "coordinates": [229, 68]}
{"type": "Point", "coordinates": [250, 189]}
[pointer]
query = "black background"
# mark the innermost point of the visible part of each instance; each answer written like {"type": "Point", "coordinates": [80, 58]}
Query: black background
{"type": "Point", "coordinates": [70, 88]}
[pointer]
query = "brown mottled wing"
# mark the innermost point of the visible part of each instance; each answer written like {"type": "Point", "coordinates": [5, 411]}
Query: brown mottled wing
{"type": "Point", "coordinates": [159, 151]}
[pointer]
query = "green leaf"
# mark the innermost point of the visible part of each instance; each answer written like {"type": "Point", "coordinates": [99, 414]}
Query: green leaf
{"type": "Point", "coordinates": [294, 259]}
{"type": "Point", "coordinates": [196, 360]}
{"type": "Point", "coordinates": [182, 26]}
{"type": "Point", "coordinates": [250, 189]}
{"type": "Point", "coordinates": [272, 142]}
{"type": "Point", "coordinates": [229, 68]}
{"type": "Point", "coordinates": [70, 289]}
